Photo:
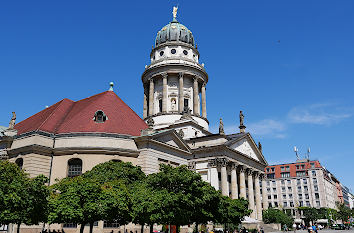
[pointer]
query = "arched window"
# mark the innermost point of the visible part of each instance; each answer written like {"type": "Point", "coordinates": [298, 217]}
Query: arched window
{"type": "Point", "coordinates": [100, 117]}
{"type": "Point", "coordinates": [19, 162]}
{"type": "Point", "coordinates": [74, 167]}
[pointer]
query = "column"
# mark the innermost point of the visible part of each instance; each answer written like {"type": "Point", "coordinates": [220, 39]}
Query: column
{"type": "Point", "coordinates": [264, 192]}
{"type": "Point", "coordinates": [258, 197]}
{"type": "Point", "coordinates": [145, 109]}
{"type": "Point", "coordinates": [213, 173]}
{"type": "Point", "coordinates": [242, 183]}
{"type": "Point", "coordinates": [164, 92]}
{"type": "Point", "coordinates": [203, 101]}
{"type": "Point", "coordinates": [180, 94]}
{"type": "Point", "coordinates": [224, 183]}
{"type": "Point", "coordinates": [251, 193]}
{"type": "Point", "coordinates": [195, 97]}
{"type": "Point", "coordinates": [234, 186]}
{"type": "Point", "coordinates": [151, 97]}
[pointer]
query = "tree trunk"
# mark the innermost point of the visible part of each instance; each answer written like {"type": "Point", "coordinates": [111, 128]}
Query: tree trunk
{"type": "Point", "coordinates": [142, 228]}
{"type": "Point", "coordinates": [18, 227]}
{"type": "Point", "coordinates": [82, 227]}
{"type": "Point", "coordinates": [152, 228]}
{"type": "Point", "coordinates": [91, 227]}
{"type": "Point", "coordinates": [196, 227]}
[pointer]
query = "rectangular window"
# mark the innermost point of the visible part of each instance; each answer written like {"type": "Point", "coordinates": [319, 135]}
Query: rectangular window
{"type": "Point", "coordinates": [301, 173]}
{"type": "Point", "coordinates": [317, 195]}
{"type": "Point", "coordinates": [297, 167]}
{"type": "Point", "coordinates": [270, 205]}
{"type": "Point", "coordinates": [287, 168]}
{"type": "Point", "coordinates": [269, 197]}
{"type": "Point", "coordinates": [298, 182]}
{"type": "Point", "coordinates": [268, 183]}
{"type": "Point", "coordinates": [308, 203]}
{"type": "Point", "coordinates": [304, 181]}
{"type": "Point", "coordinates": [160, 105]}
{"type": "Point", "coordinates": [113, 224]}
{"type": "Point", "coordinates": [312, 165]}
{"type": "Point", "coordinates": [303, 166]}
{"type": "Point", "coordinates": [315, 188]}
{"type": "Point", "coordinates": [289, 182]}
{"type": "Point", "coordinates": [275, 196]}
{"type": "Point", "coordinates": [314, 180]}
{"type": "Point", "coordinates": [282, 169]}
{"type": "Point", "coordinates": [318, 203]}
{"type": "Point", "coordinates": [307, 196]}
{"type": "Point", "coordinates": [271, 176]}
{"type": "Point", "coordinates": [289, 189]}
{"type": "Point", "coordinates": [283, 182]}
{"type": "Point", "coordinates": [285, 204]}
{"type": "Point", "coordinates": [306, 189]}
{"type": "Point", "coordinates": [267, 169]}
{"type": "Point", "coordinates": [290, 196]}
{"type": "Point", "coordinates": [186, 103]}
{"type": "Point", "coordinates": [219, 176]}
{"type": "Point", "coordinates": [301, 203]}
{"type": "Point", "coordinates": [291, 204]}
{"type": "Point", "coordinates": [300, 196]}
{"type": "Point", "coordinates": [283, 189]}
{"type": "Point", "coordinates": [268, 190]}
{"type": "Point", "coordinates": [275, 204]}
{"type": "Point", "coordinates": [274, 189]}
{"type": "Point", "coordinates": [299, 188]}
{"type": "Point", "coordinates": [284, 196]}
{"type": "Point", "coordinates": [273, 182]}
{"type": "Point", "coordinates": [285, 174]}
{"type": "Point", "coordinates": [313, 173]}
{"type": "Point", "coordinates": [273, 169]}
{"type": "Point", "coordinates": [70, 225]}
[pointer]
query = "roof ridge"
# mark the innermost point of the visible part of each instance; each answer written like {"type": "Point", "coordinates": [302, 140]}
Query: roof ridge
{"type": "Point", "coordinates": [90, 97]}
{"type": "Point", "coordinates": [51, 114]}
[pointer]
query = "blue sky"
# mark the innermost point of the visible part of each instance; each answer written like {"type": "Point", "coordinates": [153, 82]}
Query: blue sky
{"type": "Point", "coordinates": [287, 64]}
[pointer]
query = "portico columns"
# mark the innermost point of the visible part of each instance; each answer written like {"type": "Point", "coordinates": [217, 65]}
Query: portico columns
{"type": "Point", "coordinates": [151, 97]}
{"type": "Point", "coordinates": [164, 92]}
{"type": "Point", "coordinates": [145, 105]}
{"type": "Point", "coordinates": [224, 185]}
{"type": "Point", "coordinates": [195, 97]}
{"type": "Point", "coordinates": [180, 94]}
{"type": "Point", "coordinates": [242, 183]}
{"type": "Point", "coordinates": [234, 188]}
{"type": "Point", "coordinates": [264, 193]}
{"type": "Point", "coordinates": [251, 193]}
{"type": "Point", "coordinates": [203, 101]}
{"type": "Point", "coordinates": [258, 197]}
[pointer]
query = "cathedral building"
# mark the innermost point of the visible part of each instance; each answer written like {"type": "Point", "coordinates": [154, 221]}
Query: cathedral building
{"type": "Point", "coordinates": [71, 137]}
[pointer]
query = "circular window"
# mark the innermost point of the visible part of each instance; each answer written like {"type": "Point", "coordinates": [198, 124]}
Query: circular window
{"type": "Point", "coordinates": [173, 51]}
{"type": "Point", "coordinates": [185, 52]}
{"type": "Point", "coordinates": [161, 53]}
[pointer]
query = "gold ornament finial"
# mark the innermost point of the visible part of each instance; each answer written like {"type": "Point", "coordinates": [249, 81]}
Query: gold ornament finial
{"type": "Point", "coordinates": [174, 12]}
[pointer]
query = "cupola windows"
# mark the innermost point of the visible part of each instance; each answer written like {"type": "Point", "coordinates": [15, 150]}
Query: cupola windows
{"type": "Point", "coordinates": [173, 51]}
{"type": "Point", "coordinates": [100, 117]}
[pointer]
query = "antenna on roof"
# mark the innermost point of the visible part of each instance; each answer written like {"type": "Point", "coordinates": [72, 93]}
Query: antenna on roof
{"type": "Point", "coordinates": [308, 153]}
{"type": "Point", "coordinates": [296, 150]}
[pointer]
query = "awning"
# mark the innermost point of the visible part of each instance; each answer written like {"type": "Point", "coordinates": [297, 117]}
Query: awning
{"type": "Point", "coordinates": [322, 221]}
{"type": "Point", "coordinates": [297, 220]}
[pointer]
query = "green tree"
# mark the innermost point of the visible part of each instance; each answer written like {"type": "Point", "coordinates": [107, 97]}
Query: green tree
{"type": "Point", "coordinates": [185, 199]}
{"type": "Point", "coordinates": [115, 170]}
{"type": "Point", "coordinates": [277, 216]}
{"type": "Point", "coordinates": [344, 212]}
{"type": "Point", "coordinates": [83, 200]}
{"type": "Point", "coordinates": [232, 211]}
{"type": "Point", "coordinates": [22, 199]}
{"type": "Point", "coordinates": [310, 214]}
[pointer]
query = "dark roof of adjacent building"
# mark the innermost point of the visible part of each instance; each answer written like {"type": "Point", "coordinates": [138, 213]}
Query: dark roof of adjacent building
{"type": "Point", "coordinates": [69, 116]}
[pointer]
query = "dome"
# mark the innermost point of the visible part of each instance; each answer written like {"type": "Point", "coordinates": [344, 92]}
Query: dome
{"type": "Point", "coordinates": [174, 31]}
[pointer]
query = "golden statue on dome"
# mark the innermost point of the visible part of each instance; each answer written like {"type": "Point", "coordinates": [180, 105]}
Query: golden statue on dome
{"type": "Point", "coordinates": [174, 12]}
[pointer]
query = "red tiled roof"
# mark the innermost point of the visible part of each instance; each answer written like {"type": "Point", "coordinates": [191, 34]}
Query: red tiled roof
{"type": "Point", "coordinates": [68, 116]}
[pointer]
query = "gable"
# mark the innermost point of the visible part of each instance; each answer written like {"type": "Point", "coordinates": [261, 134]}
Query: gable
{"type": "Point", "coordinates": [170, 138]}
{"type": "Point", "coordinates": [245, 147]}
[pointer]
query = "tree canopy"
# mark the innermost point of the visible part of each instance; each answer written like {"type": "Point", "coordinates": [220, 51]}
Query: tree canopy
{"type": "Point", "coordinates": [277, 216]}
{"type": "Point", "coordinates": [22, 199]}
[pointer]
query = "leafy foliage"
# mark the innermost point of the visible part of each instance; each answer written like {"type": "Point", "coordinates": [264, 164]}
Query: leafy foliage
{"type": "Point", "coordinates": [310, 214]}
{"type": "Point", "coordinates": [344, 212]}
{"type": "Point", "coordinates": [277, 216]}
{"type": "Point", "coordinates": [22, 199]}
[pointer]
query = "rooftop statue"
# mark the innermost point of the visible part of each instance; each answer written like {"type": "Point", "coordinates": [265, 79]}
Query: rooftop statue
{"type": "Point", "coordinates": [12, 121]}
{"type": "Point", "coordinates": [221, 127]}
{"type": "Point", "coordinates": [241, 118]}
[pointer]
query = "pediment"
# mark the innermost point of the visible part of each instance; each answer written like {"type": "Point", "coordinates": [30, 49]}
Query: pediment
{"type": "Point", "coordinates": [246, 145]}
{"type": "Point", "coordinates": [171, 138]}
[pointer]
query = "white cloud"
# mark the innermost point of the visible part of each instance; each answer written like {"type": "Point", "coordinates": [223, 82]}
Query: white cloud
{"type": "Point", "coordinates": [319, 114]}
{"type": "Point", "coordinates": [268, 127]}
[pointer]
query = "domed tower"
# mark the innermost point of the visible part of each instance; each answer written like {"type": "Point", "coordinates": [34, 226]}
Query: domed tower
{"type": "Point", "coordinates": [174, 82]}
